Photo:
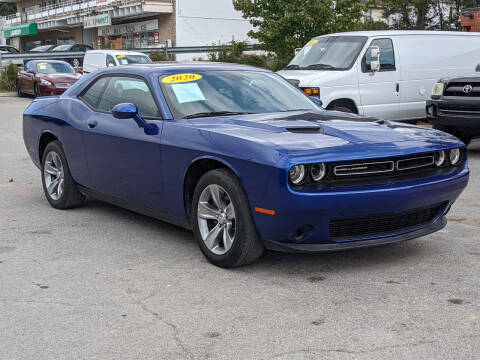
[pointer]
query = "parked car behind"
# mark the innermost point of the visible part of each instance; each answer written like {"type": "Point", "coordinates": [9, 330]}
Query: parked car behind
{"type": "Point", "coordinates": [454, 107]}
{"type": "Point", "coordinates": [99, 59]}
{"type": "Point", "coordinates": [46, 77]}
{"type": "Point", "coordinates": [385, 74]}
{"type": "Point", "coordinates": [75, 62]}
{"type": "Point", "coordinates": [10, 50]}
{"type": "Point", "coordinates": [42, 48]}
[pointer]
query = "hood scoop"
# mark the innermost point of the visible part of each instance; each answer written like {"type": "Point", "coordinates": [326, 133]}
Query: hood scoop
{"type": "Point", "coordinates": [305, 130]}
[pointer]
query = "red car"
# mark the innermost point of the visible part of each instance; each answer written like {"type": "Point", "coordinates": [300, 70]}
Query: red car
{"type": "Point", "coordinates": [46, 77]}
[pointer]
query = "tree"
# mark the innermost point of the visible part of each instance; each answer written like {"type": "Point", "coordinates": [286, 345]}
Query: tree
{"type": "Point", "coordinates": [7, 9]}
{"type": "Point", "coordinates": [283, 25]}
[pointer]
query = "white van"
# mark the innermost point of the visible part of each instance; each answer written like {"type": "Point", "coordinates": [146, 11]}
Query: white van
{"type": "Point", "coordinates": [385, 74]}
{"type": "Point", "coordinates": [99, 59]}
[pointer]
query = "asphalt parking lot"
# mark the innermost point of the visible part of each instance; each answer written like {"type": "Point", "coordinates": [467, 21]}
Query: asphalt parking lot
{"type": "Point", "coordinates": [101, 282]}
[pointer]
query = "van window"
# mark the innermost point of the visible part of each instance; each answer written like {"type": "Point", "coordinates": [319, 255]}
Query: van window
{"type": "Point", "coordinates": [129, 90]}
{"type": "Point", "coordinates": [387, 55]}
{"type": "Point", "coordinates": [110, 61]}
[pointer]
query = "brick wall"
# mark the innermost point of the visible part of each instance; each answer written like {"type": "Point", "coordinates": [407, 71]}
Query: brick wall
{"type": "Point", "coordinates": [469, 23]}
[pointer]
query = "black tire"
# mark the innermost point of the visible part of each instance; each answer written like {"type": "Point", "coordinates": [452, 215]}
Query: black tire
{"type": "Point", "coordinates": [466, 138]}
{"type": "Point", "coordinates": [341, 107]}
{"type": "Point", "coordinates": [70, 196]}
{"type": "Point", "coordinates": [19, 89]}
{"type": "Point", "coordinates": [76, 63]}
{"type": "Point", "coordinates": [247, 246]}
{"type": "Point", "coordinates": [36, 90]}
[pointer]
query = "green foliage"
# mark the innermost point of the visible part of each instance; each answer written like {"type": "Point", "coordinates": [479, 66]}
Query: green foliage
{"type": "Point", "coordinates": [235, 54]}
{"type": "Point", "coordinates": [283, 25]}
{"type": "Point", "coordinates": [158, 56]}
{"type": "Point", "coordinates": [426, 14]}
{"type": "Point", "coordinates": [7, 9]}
{"type": "Point", "coordinates": [8, 78]}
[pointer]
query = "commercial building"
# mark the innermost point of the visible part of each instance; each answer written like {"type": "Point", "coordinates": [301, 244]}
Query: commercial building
{"type": "Point", "coordinates": [124, 24]}
{"type": "Point", "coordinates": [470, 19]}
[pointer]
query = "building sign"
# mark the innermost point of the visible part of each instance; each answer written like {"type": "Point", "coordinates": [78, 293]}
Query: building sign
{"type": "Point", "coordinates": [20, 30]}
{"type": "Point", "coordinates": [132, 28]}
{"type": "Point", "coordinates": [97, 21]}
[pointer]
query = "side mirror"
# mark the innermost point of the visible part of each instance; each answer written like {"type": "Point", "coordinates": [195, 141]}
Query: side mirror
{"type": "Point", "coordinates": [375, 53]}
{"type": "Point", "coordinates": [130, 111]}
{"type": "Point", "coordinates": [316, 100]}
{"type": "Point", "coordinates": [125, 111]}
{"type": "Point", "coordinates": [110, 65]}
{"type": "Point", "coordinates": [477, 68]}
{"type": "Point", "coordinates": [375, 66]}
{"type": "Point", "coordinates": [297, 50]}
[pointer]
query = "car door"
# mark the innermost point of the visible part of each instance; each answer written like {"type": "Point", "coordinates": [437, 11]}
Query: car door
{"type": "Point", "coordinates": [380, 91]}
{"type": "Point", "coordinates": [123, 161]}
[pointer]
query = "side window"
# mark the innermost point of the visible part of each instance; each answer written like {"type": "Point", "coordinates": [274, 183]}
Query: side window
{"type": "Point", "coordinates": [110, 61]}
{"type": "Point", "coordinates": [94, 92]}
{"type": "Point", "coordinates": [30, 66]}
{"type": "Point", "coordinates": [129, 90]}
{"type": "Point", "coordinates": [387, 55]}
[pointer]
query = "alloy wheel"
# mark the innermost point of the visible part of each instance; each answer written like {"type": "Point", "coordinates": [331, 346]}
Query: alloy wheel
{"type": "Point", "coordinates": [216, 219]}
{"type": "Point", "coordinates": [54, 175]}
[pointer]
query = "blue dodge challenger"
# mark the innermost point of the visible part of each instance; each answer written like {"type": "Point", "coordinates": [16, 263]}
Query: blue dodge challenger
{"type": "Point", "coordinates": [242, 158]}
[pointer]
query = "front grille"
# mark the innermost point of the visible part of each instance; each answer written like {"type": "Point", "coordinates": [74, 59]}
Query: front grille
{"type": "Point", "coordinates": [364, 168]}
{"type": "Point", "coordinates": [384, 224]}
{"type": "Point", "coordinates": [457, 89]}
{"type": "Point", "coordinates": [415, 163]}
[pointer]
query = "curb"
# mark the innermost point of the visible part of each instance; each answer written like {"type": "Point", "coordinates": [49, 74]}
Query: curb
{"type": "Point", "coordinates": [8, 94]}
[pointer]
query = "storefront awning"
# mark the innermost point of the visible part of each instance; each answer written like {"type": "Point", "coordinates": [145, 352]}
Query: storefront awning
{"type": "Point", "coordinates": [20, 30]}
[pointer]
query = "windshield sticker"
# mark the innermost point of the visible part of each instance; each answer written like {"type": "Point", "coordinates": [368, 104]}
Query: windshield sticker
{"type": "Point", "coordinates": [181, 78]}
{"type": "Point", "coordinates": [42, 64]}
{"type": "Point", "coordinates": [188, 92]}
{"type": "Point", "coordinates": [120, 56]}
{"type": "Point", "coordinates": [312, 42]}
{"type": "Point", "coordinates": [124, 61]}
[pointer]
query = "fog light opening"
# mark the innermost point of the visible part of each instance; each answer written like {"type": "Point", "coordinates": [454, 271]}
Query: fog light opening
{"type": "Point", "coordinates": [430, 110]}
{"type": "Point", "coordinates": [300, 234]}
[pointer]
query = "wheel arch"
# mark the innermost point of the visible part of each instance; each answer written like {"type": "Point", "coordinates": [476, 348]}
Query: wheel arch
{"type": "Point", "coordinates": [197, 168]}
{"type": "Point", "coordinates": [46, 138]}
{"type": "Point", "coordinates": [350, 103]}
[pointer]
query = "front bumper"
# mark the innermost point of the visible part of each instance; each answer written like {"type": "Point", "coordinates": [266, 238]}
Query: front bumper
{"type": "Point", "coordinates": [457, 112]}
{"type": "Point", "coordinates": [51, 90]}
{"type": "Point", "coordinates": [314, 212]}
{"type": "Point", "coordinates": [313, 248]}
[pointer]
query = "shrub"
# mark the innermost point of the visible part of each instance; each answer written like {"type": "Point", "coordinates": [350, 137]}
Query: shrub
{"type": "Point", "coordinates": [158, 56]}
{"type": "Point", "coordinates": [235, 54]}
{"type": "Point", "coordinates": [8, 77]}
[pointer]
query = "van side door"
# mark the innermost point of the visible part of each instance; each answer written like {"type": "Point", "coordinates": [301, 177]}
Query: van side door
{"type": "Point", "coordinates": [380, 90]}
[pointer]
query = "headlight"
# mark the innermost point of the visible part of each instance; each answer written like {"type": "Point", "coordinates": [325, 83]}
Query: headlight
{"type": "Point", "coordinates": [438, 89]}
{"type": "Point", "coordinates": [318, 171]}
{"type": "Point", "coordinates": [297, 174]}
{"type": "Point", "coordinates": [45, 82]}
{"type": "Point", "coordinates": [454, 156]}
{"type": "Point", "coordinates": [439, 158]}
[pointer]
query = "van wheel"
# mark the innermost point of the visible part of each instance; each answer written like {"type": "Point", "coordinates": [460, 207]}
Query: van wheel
{"type": "Point", "coordinates": [222, 221]}
{"type": "Point", "coordinates": [342, 106]}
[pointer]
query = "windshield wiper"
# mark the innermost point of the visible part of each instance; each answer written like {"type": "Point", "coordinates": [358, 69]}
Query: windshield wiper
{"type": "Point", "coordinates": [215, 113]}
{"type": "Point", "coordinates": [290, 67]}
{"type": "Point", "coordinates": [323, 67]}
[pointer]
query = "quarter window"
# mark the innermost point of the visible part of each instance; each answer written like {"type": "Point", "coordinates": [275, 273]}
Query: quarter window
{"type": "Point", "coordinates": [93, 95]}
{"type": "Point", "coordinates": [110, 61]}
{"type": "Point", "coordinates": [129, 90]}
{"type": "Point", "coordinates": [387, 55]}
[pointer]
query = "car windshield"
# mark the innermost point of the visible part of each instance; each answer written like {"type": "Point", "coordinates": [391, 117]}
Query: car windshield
{"type": "Point", "coordinates": [54, 68]}
{"type": "Point", "coordinates": [133, 59]}
{"type": "Point", "coordinates": [216, 93]}
{"type": "Point", "coordinates": [329, 53]}
{"type": "Point", "coordinates": [65, 47]}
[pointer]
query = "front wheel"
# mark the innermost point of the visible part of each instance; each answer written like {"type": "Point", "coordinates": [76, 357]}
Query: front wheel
{"type": "Point", "coordinates": [222, 221]}
{"type": "Point", "coordinates": [19, 89]}
{"type": "Point", "coordinates": [36, 90]}
{"type": "Point", "coordinates": [59, 187]}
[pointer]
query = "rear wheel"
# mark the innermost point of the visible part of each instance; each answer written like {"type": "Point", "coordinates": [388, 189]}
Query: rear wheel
{"type": "Point", "coordinates": [222, 221]}
{"type": "Point", "coordinates": [59, 187]}
{"type": "Point", "coordinates": [19, 89]}
{"type": "Point", "coordinates": [36, 90]}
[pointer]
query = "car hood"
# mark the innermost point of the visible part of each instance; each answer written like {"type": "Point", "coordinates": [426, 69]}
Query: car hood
{"type": "Point", "coordinates": [315, 77]}
{"type": "Point", "coordinates": [309, 133]}
{"type": "Point", "coordinates": [63, 78]}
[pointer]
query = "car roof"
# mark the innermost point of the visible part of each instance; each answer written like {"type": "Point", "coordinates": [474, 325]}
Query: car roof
{"type": "Point", "coordinates": [175, 67]}
{"type": "Point", "coordinates": [115, 52]}
{"type": "Point", "coordinates": [402, 33]}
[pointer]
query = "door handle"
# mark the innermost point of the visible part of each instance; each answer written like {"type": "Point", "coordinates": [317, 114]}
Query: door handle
{"type": "Point", "coordinates": [92, 123]}
{"type": "Point", "coordinates": [397, 87]}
